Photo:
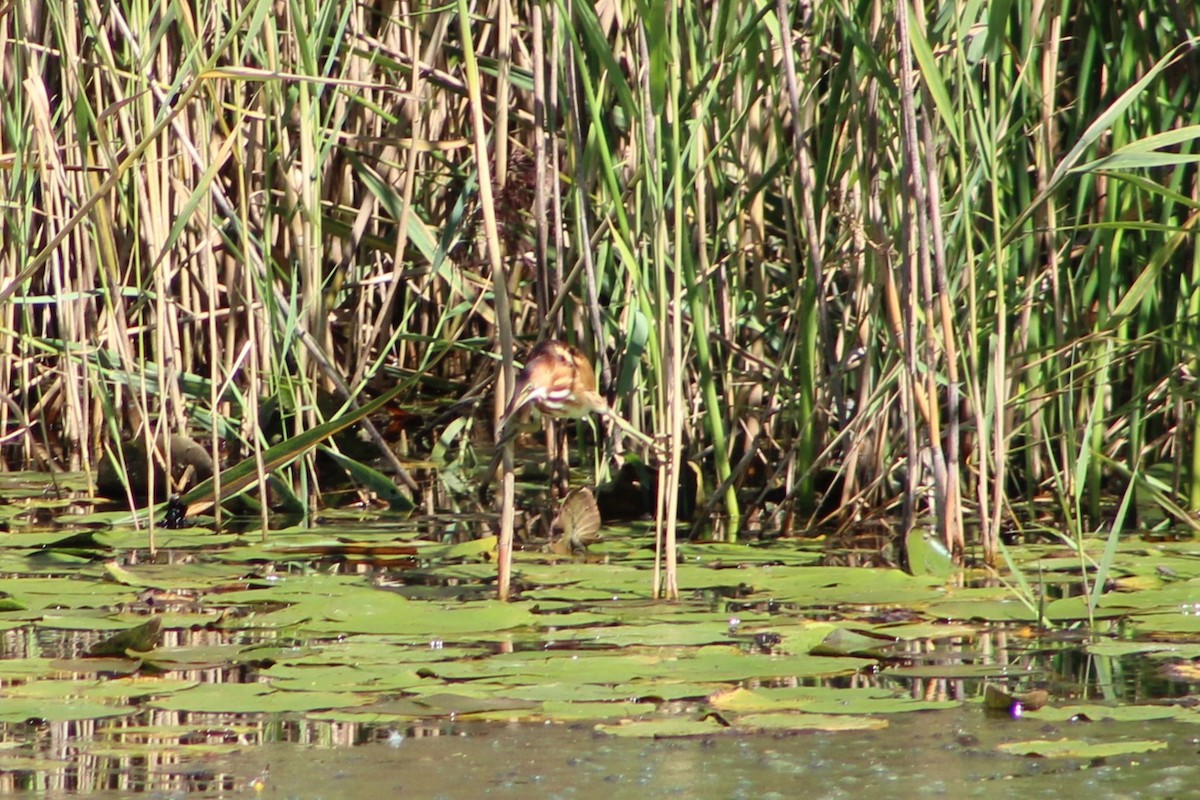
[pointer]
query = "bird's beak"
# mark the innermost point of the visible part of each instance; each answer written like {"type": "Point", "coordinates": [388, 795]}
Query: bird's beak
{"type": "Point", "coordinates": [522, 396]}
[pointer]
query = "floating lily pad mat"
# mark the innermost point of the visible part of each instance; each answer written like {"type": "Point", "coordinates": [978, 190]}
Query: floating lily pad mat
{"type": "Point", "coordinates": [380, 624]}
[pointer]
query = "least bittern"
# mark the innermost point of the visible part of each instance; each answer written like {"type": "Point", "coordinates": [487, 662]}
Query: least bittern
{"type": "Point", "coordinates": [558, 380]}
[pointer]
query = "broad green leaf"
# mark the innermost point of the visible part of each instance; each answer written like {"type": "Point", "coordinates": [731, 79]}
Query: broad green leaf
{"type": "Point", "coordinates": [566, 711]}
{"type": "Point", "coordinates": [664, 728]}
{"type": "Point", "coordinates": [796, 722]}
{"type": "Point", "coordinates": [19, 709]}
{"type": "Point", "coordinates": [1075, 748]}
{"type": "Point", "coordinates": [1122, 713]}
{"type": "Point", "coordinates": [252, 698]}
{"type": "Point", "coordinates": [346, 678]}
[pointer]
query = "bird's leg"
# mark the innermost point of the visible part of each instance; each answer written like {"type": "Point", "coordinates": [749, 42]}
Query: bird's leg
{"type": "Point", "coordinates": [656, 447]}
{"type": "Point", "coordinates": [559, 447]}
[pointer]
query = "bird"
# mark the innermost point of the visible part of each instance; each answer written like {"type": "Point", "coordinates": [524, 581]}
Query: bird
{"type": "Point", "coordinates": [559, 381]}
{"type": "Point", "coordinates": [576, 525]}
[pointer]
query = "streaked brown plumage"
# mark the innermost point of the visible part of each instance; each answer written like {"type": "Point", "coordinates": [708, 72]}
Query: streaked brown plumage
{"type": "Point", "coordinates": [559, 381]}
{"type": "Point", "coordinates": [577, 523]}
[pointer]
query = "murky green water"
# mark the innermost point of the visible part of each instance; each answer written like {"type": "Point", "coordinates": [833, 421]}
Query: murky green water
{"type": "Point", "coordinates": [936, 754]}
{"type": "Point", "coordinates": [931, 754]}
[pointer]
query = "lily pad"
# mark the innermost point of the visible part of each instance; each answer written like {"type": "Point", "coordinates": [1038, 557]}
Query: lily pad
{"type": "Point", "coordinates": [664, 728]}
{"type": "Point", "coordinates": [1076, 748]}
{"type": "Point", "coordinates": [65, 709]}
{"type": "Point", "coordinates": [347, 678]}
{"type": "Point", "coordinates": [797, 722]}
{"type": "Point", "coordinates": [252, 698]}
{"type": "Point", "coordinates": [566, 711]}
{"type": "Point", "coordinates": [1130, 713]}
{"type": "Point", "coordinates": [49, 593]}
{"type": "Point", "coordinates": [822, 700]}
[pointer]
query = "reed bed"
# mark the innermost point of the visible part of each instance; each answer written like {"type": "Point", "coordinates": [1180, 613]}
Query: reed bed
{"type": "Point", "coordinates": [850, 258]}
